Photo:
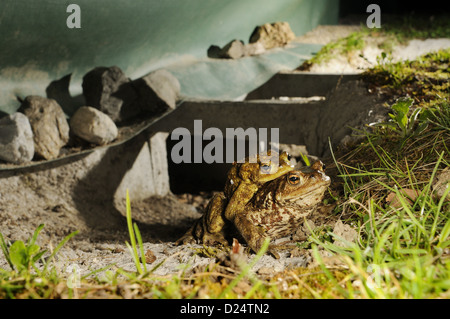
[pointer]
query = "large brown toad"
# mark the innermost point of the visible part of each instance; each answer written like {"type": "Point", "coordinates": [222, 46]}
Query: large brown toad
{"type": "Point", "coordinates": [276, 210]}
{"type": "Point", "coordinates": [243, 181]}
{"type": "Point", "coordinates": [279, 206]}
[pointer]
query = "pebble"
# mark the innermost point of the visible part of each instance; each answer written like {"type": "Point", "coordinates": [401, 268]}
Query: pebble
{"type": "Point", "coordinates": [272, 35]}
{"type": "Point", "coordinates": [93, 126]}
{"type": "Point", "coordinates": [346, 232]}
{"type": "Point", "coordinates": [16, 139]}
{"type": "Point", "coordinates": [157, 92]}
{"type": "Point", "coordinates": [233, 50]}
{"type": "Point", "coordinates": [49, 125]}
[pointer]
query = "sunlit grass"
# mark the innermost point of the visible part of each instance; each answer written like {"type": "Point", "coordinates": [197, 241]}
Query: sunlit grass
{"type": "Point", "coordinates": [402, 252]}
{"type": "Point", "coordinates": [403, 246]}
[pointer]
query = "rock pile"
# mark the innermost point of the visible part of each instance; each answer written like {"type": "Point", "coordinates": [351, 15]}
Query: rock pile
{"type": "Point", "coordinates": [111, 92]}
{"type": "Point", "coordinates": [264, 37]}
{"type": "Point", "coordinates": [40, 130]}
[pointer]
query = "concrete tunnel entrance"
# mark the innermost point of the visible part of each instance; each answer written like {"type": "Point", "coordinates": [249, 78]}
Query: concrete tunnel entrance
{"type": "Point", "coordinates": [307, 109]}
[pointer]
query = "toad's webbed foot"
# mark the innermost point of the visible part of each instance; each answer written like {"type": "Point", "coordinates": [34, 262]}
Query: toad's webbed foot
{"type": "Point", "coordinates": [199, 234]}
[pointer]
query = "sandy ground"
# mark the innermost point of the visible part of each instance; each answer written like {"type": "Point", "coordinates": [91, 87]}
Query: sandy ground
{"type": "Point", "coordinates": [162, 220]}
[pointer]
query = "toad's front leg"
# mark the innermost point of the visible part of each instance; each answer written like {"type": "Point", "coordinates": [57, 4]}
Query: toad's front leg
{"type": "Point", "coordinates": [253, 235]}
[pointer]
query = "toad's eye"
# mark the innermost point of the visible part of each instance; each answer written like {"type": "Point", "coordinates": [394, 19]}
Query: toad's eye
{"type": "Point", "coordinates": [265, 168]}
{"type": "Point", "coordinates": [294, 179]}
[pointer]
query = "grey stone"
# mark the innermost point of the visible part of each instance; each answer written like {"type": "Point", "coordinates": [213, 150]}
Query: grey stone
{"type": "Point", "coordinates": [233, 50]}
{"type": "Point", "coordinates": [158, 91]}
{"type": "Point", "coordinates": [16, 139]}
{"type": "Point", "coordinates": [214, 52]}
{"type": "Point", "coordinates": [49, 125]}
{"type": "Point", "coordinates": [93, 126]}
{"type": "Point", "coordinates": [58, 90]}
{"type": "Point", "coordinates": [110, 91]}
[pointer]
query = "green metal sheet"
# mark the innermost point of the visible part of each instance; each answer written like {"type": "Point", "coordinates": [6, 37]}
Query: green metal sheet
{"type": "Point", "coordinates": [37, 47]}
{"type": "Point", "coordinates": [219, 79]}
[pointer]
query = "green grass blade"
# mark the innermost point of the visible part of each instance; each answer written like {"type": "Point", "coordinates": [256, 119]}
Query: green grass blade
{"type": "Point", "coordinates": [329, 275]}
{"type": "Point", "coordinates": [135, 258]}
{"type": "Point", "coordinates": [133, 247]}
{"type": "Point", "coordinates": [444, 235]}
{"type": "Point", "coordinates": [57, 249]}
{"type": "Point", "coordinates": [36, 233]}
{"type": "Point", "coordinates": [96, 271]}
{"type": "Point", "coordinates": [5, 251]}
{"type": "Point", "coordinates": [141, 246]}
{"type": "Point", "coordinates": [408, 211]}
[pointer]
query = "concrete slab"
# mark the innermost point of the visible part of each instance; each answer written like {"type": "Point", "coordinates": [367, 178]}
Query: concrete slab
{"type": "Point", "coordinates": [299, 84]}
{"type": "Point", "coordinates": [296, 122]}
